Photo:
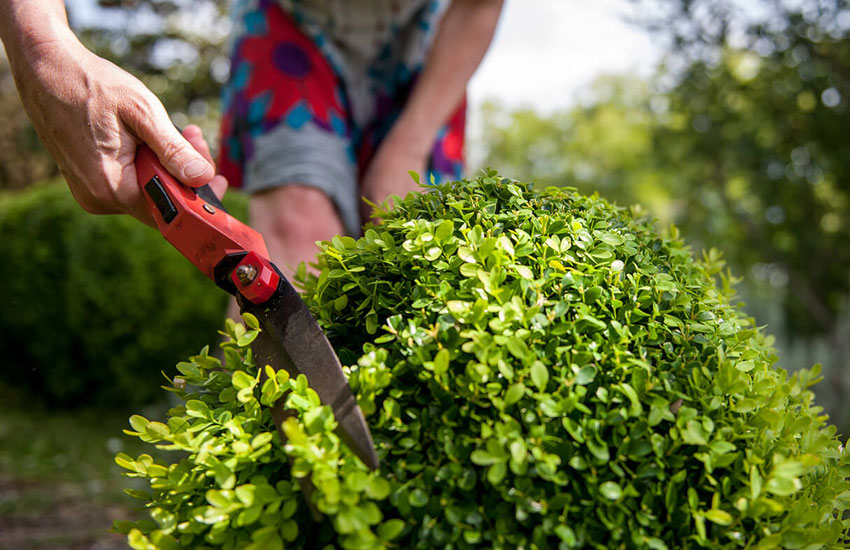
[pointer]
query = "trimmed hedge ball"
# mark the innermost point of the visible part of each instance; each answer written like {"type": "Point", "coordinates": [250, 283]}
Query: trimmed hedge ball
{"type": "Point", "coordinates": [539, 370]}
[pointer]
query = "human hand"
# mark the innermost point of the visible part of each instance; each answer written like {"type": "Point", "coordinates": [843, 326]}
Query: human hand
{"type": "Point", "coordinates": [91, 116]}
{"type": "Point", "coordinates": [389, 174]}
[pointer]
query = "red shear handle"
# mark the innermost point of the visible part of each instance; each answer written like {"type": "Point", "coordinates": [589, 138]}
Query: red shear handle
{"type": "Point", "coordinates": [208, 236]}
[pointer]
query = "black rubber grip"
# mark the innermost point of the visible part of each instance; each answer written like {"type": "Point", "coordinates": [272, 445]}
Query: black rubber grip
{"type": "Point", "coordinates": [161, 199]}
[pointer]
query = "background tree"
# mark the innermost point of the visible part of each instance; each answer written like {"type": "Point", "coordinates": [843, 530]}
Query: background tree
{"type": "Point", "coordinates": [762, 98]}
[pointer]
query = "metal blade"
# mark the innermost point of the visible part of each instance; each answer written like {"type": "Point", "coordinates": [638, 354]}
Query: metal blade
{"type": "Point", "coordinates": [292, 340]}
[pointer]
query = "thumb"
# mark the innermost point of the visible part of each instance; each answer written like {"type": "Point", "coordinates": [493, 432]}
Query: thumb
{"type": "Point", "coordinates": [152, 126]}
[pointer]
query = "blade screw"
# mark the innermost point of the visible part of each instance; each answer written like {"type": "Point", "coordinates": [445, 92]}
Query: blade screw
{"type": "Point", "coordinates": [209, 209]}
{"type": "Point", "coordinates": [246, 273]}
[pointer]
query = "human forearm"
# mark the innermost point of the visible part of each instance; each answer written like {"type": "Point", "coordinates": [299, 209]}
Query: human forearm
{"type": "Point", "coordinates": [459, 46]}
{"type": "Point", "coordinates": [27, 24]}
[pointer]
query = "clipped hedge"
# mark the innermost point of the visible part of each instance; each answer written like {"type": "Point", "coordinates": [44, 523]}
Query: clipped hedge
{"type": "Point", "coordinates": [539, 370]}
{"type": "Point", "coordinates": [95, 307]}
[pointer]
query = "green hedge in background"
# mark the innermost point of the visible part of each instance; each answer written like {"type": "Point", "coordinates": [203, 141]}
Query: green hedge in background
{"type": "Point", "coordinates": [93, 308]}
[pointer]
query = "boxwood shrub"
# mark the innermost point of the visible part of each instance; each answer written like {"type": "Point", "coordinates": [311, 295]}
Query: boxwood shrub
{"type": "Point", "coordinates": [539, 369]}
{"type": "Point", "coordinates": [94, 308]}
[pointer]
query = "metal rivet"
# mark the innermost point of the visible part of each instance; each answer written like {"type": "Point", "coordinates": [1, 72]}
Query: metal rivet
{"type": "Point", "coordinates": [246, 273]}
{"type": "Point", "coordinates": [209, 208]}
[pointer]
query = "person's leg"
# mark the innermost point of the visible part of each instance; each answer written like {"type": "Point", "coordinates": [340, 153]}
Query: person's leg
{"type": "Point", "coordinates": [292, 219]}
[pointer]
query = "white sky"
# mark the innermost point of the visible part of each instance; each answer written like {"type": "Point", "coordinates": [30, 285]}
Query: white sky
{"type": "Point", "coordinates": [545, 51]}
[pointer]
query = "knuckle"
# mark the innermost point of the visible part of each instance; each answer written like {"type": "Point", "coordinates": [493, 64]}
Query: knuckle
{"type": "Point", "coordinates": [138, 107]}
{"type": "Point", "coordinates": [172, 150]}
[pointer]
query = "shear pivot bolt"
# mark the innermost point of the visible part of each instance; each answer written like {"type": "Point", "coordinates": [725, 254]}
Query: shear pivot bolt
{"type": "Point", "coordinates": [246, 273]}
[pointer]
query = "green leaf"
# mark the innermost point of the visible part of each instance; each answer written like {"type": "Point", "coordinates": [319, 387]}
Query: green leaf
{"type": "Point", "coordinates": [598, 449]}
{"type": "Point", "coordinates": [694, 433]}
{"type": "Point", "coordinates": [518, 348]}
{"type": "Point", "coordinates": [444, 230]}
{"type": "Point", "coordinates": [418, 498]}
{"type": "Point", "coordinates": [251, 321]}
{"type": "Point", "coordinates": [592, 294]}
{"type": "Point", "coordinates": [378, 488]}
{"type": "Point", "coordinates": [539, 375]}
{"type": "Point", "coordinates": [783, 485]}
{"type": "Point", "coordinates": [261, 439]}
{"type": "Point", "coordinates": [289, 530]}
{"type": "Point", "coordinates": [585, 375]}
{"type": "Point", "coordinates": [390, 529]}
{"type": "Point", "coordinates": [496, 472]}
{"type": "Point", "coordinates": [139, 423]}
{"type": "Point", "coordinates": [610, 490]}
{"type": "Point", "coordinates": [242, 380]}
{"type": "Point", "coordinates": [219, 499]}
{"type": "Point", "coordinates": [611, 238]}
{"type": "Point", "coordinates": [249, 516]}
{"type": "Point", "coordinates": [125, 461]}
{"type": "Point", "coordinates": [484, 458]}
{"type": "Point", "coordinates": [567, 535]}
{"type": "Point", "coordinates": [755, 483]}
{"type": "Point", "coordinates": [524, 272]}
{"type": "Point", "coordinates": [744, 366]}
{"type": "Point", "coordinates": [357, 481]}
{"type": "Point", "coordinates": [197, 409]}
{"type": "Point", "coordinates": [157, 430]}
{"type": "Point", "coordinates": [371, 323]}
{"type": "Point", "coordinates": [247, 338]}
{"type": "Point", "coordinates": [514, 393]}
{"type": "Point", "coordinates": [245, 494]}
{"type": "Point", "coordinates": [441, 362]}
{"type": "Point", "coordinates": [719, 517]}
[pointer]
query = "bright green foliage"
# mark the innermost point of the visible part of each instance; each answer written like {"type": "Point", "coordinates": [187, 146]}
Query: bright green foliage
{"type": "Point", "coordinates": [538, 369]}
{"type": "Point", "coordinates": [742, 142]}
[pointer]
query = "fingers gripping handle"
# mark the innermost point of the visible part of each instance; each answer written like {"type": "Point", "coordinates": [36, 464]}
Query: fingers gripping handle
{"type": "Point", "coordinates": [197, 225]}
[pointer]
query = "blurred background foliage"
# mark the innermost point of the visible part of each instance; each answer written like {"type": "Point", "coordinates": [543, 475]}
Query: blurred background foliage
{"type": "Point", "coordinates": [96, 308]}
{"type": "Point", "coordinates": [742, 139]}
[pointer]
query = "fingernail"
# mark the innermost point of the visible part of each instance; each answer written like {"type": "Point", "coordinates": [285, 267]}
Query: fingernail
{"type": "Point", "coordinates": [196, 168]}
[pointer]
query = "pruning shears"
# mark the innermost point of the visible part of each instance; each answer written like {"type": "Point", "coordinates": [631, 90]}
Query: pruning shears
{"type": "Point", "coordinates": [235, 257]}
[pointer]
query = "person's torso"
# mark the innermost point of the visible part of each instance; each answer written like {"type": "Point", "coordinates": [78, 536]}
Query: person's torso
{"type": "Point", "coordinates": [373, 45]}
